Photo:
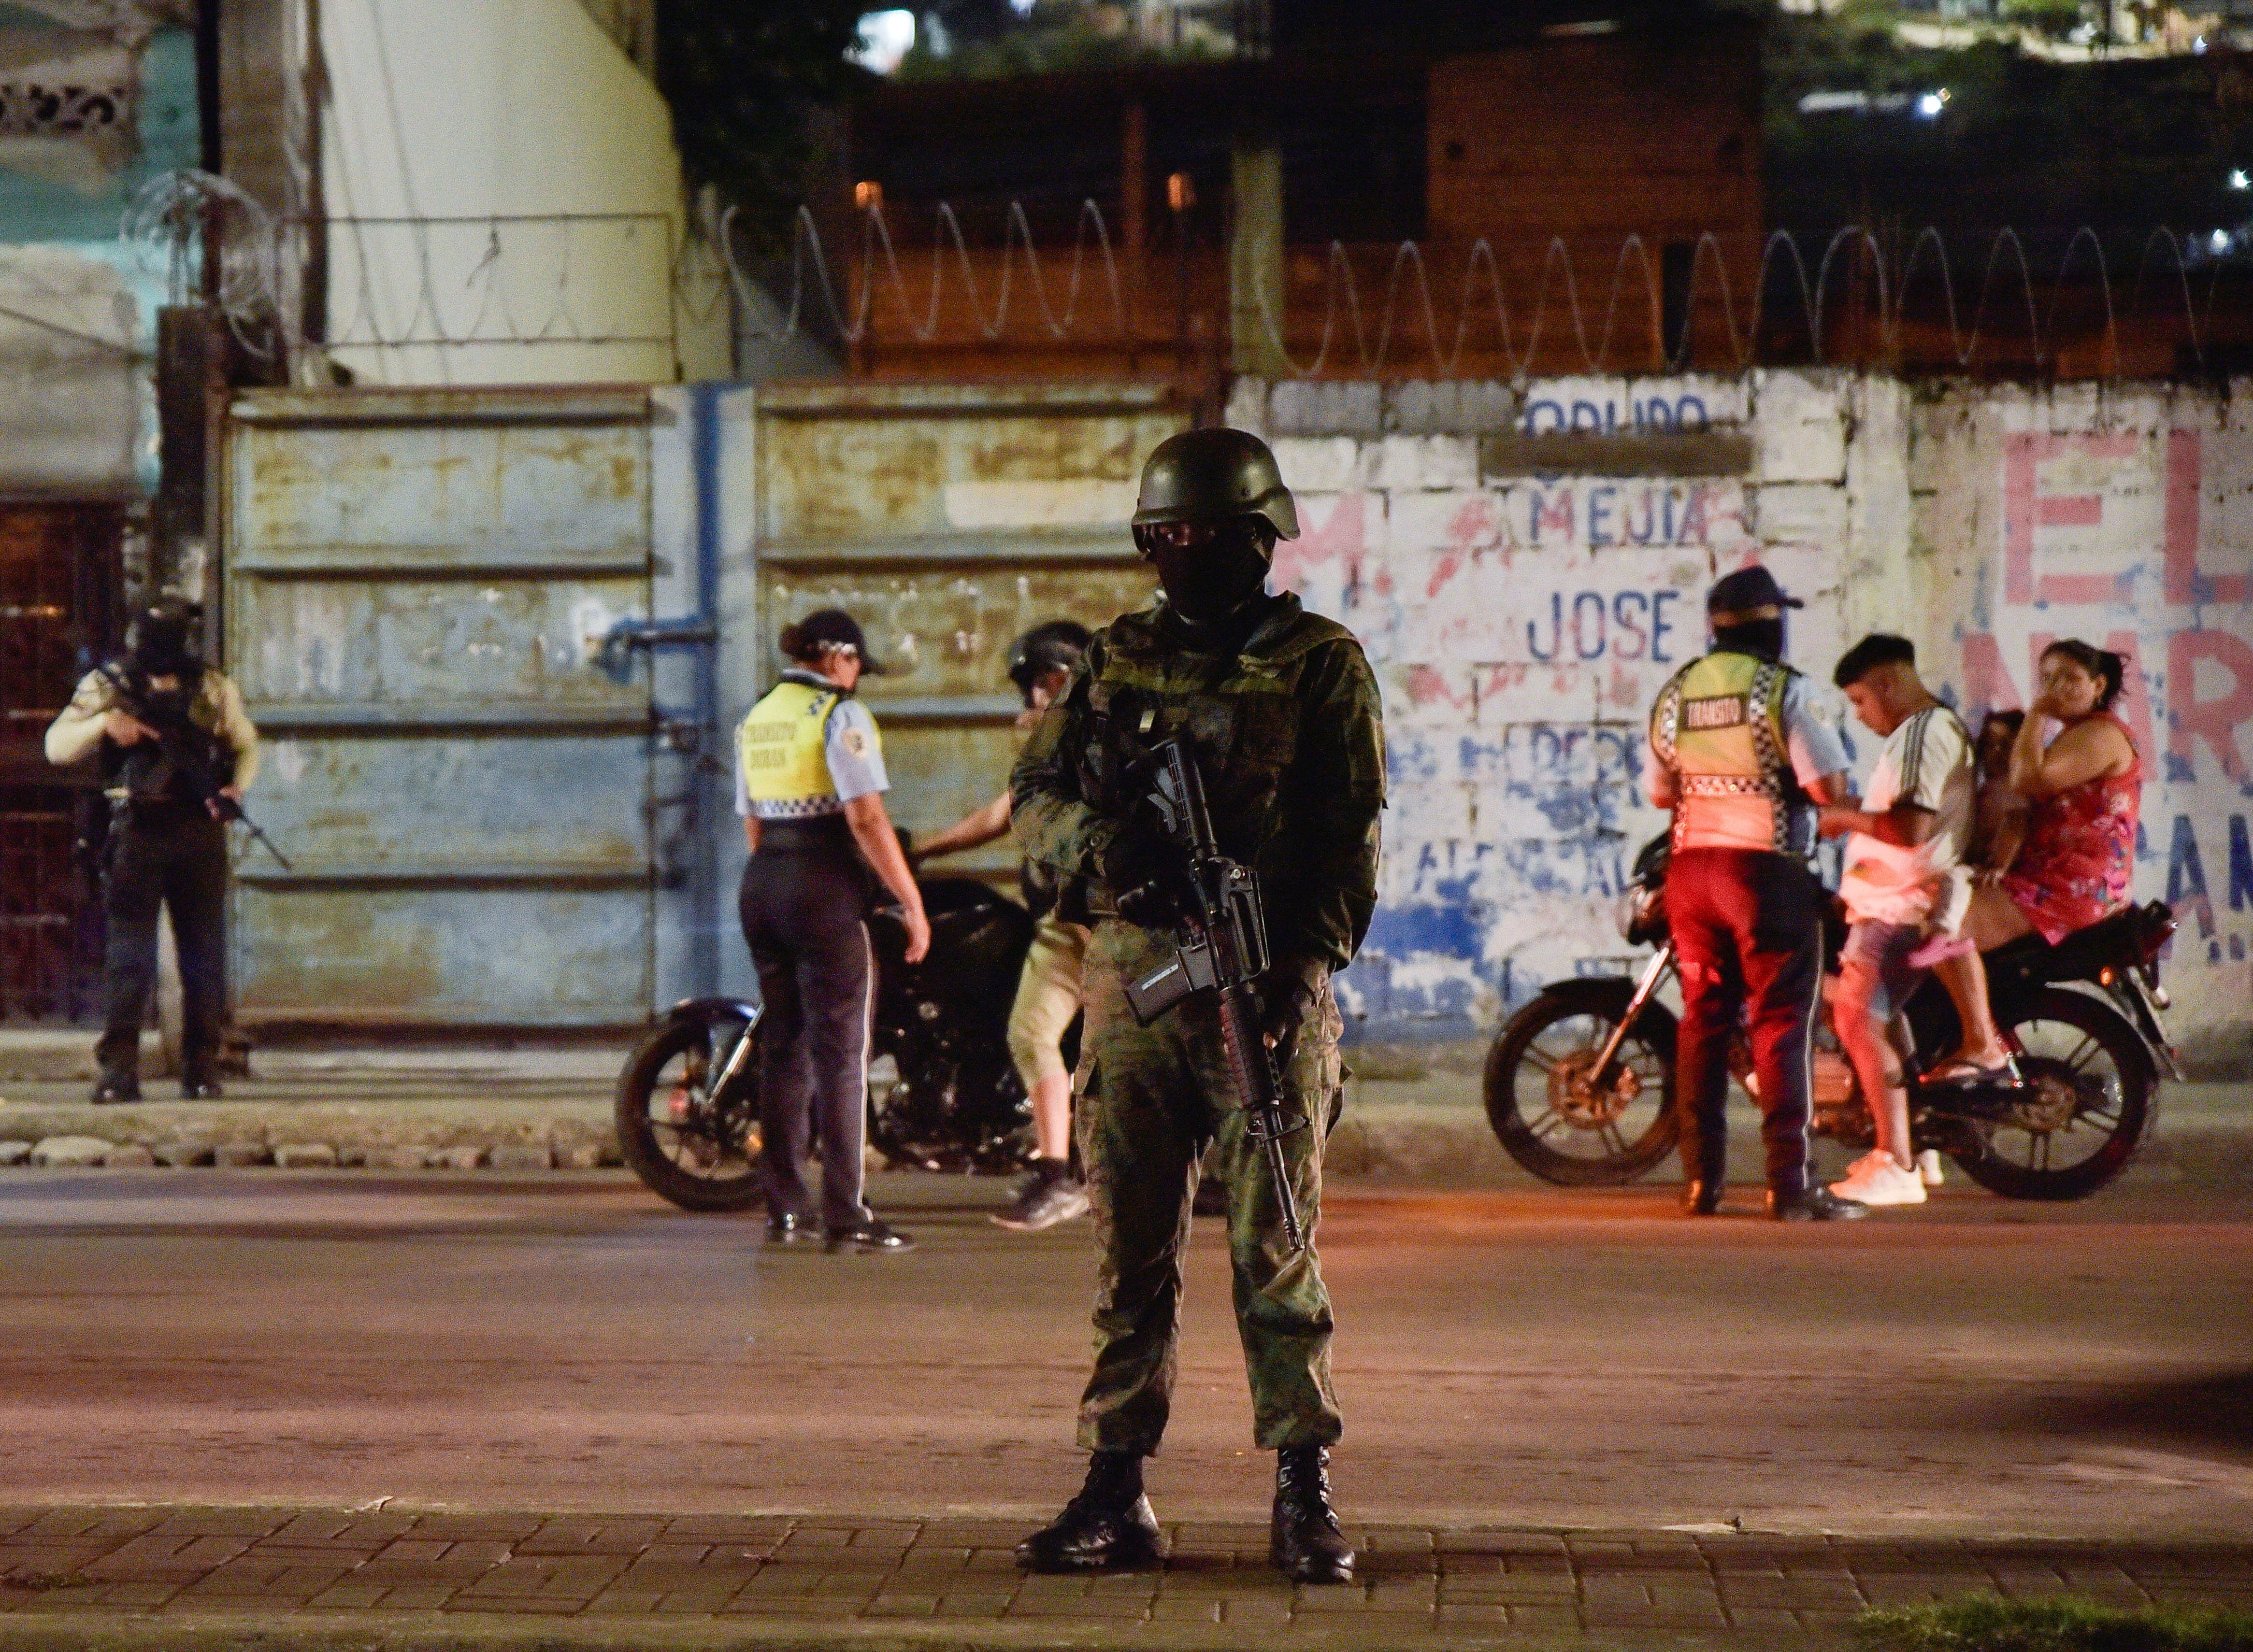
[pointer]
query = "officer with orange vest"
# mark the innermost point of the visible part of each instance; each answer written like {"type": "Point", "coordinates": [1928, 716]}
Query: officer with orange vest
{"type": "Point", "coordinates": [810, 784]}
{"type": "Point", "coordinates": [1743, 762]}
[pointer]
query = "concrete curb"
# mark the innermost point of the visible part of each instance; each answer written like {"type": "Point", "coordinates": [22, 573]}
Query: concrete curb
{"type": "Point", "coordinates": [1414, 1142]}
{"type": "Point", "coordinates": [404, 1135]}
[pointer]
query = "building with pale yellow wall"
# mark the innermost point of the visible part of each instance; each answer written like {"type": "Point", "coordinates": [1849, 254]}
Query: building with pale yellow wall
{"type": "Point", "coordinates": [504, 199]}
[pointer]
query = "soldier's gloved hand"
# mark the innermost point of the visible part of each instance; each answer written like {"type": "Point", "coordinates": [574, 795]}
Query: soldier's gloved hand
{"type": "Point", "coordinates": [1284, 998]}
{"type": "Point", "coordinates": [1140, 870]}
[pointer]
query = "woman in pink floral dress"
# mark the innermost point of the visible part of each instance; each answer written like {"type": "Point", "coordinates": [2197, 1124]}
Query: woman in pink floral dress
{"type": "Point", "coordinates": [2086, 789]}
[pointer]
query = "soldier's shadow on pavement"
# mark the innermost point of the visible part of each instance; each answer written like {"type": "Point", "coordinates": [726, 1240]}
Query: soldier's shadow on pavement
{"type": "Point", "coordinates": [2213, 1413]}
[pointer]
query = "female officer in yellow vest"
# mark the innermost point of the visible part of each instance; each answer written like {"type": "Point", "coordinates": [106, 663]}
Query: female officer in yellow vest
{"type": "Point", "coordinates": [809, 784]}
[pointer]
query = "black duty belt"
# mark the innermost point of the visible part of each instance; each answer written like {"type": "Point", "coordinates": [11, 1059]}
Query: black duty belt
{"type": "Point", "coordinates": [824, 834]}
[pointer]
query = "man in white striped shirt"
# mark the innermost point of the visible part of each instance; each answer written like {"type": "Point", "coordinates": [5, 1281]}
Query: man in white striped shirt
{"type": "Point", "coordinates": [1908, 830]}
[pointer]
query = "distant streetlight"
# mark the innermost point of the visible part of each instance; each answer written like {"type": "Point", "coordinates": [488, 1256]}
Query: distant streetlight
{"type": "Point", "coordinates": [1930, 104]}
{"type": "Point", "coordinates": [2218, 243]}
{"type": "Point", "coordinates": [885, 39]}
{"type": "Point", "coordinates": [2237, 178]}
{"type": "Point", "coordinates": [868, 196]}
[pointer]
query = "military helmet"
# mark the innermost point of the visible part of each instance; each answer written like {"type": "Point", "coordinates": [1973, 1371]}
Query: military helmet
{"type": "Point", "coordinates": [1060, 643]}
{"type": "Point", "coordinates": [1211, 475]}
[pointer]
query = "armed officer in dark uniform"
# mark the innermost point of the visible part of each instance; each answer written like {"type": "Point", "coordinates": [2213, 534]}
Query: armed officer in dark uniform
{"type": "Point", "coordinates": [164, 725]}
{"type": "Point", "coordinates": [1282, 711]}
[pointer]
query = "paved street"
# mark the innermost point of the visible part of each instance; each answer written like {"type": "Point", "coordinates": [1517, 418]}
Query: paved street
{"type": "Point", "coordinates": [1519, 1356]}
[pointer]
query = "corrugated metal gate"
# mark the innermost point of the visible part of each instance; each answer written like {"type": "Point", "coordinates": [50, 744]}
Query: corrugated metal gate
{"type": "Point", "coordinates": [415, 582]}
{"type": "Point", "coordinates": [949, 518]}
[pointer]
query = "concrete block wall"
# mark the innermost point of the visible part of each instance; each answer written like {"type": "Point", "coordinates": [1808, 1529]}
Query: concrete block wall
{"type": "Point", "coordinates": [1523, 601]}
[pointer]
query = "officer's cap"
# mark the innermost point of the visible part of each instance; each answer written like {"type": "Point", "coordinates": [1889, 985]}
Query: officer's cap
{"type": "Point", "coordinates": [1746, 589]}
{"type": "Point", "coordinates": [827, 628]}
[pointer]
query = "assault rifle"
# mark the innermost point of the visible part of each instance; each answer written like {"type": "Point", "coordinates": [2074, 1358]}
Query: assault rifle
{"type": "Point", "coordinates": [1223, 950]}
{"type": "Point", "coordinates": [182, 746]}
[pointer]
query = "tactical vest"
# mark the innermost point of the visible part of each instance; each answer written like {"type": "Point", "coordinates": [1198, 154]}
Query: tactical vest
{"type": "Point", "coordinates": [157, 771]}
{"type": "Point", "coordinates": [1718, 727]}
{"type": "Point", "coordinates": [783, 749]}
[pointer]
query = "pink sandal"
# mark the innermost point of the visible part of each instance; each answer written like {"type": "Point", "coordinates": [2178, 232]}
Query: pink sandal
{"type": "Point", "coordinates": [1939, 950]}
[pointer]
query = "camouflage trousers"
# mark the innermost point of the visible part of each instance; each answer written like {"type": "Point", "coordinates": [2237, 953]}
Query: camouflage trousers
{"type": "Point", "coordinates": [1150, 1100]}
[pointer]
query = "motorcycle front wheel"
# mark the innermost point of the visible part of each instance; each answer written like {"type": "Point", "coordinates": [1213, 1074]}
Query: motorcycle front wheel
{"type": "Point", "coordinates": [2077, 1121]}
{"type": "Point", "coordinates": [688, 1146]}
{"type": "Point", "coordinates": [1546, 1110]}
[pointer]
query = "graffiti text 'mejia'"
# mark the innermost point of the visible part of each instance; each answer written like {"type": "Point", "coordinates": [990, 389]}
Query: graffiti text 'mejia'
{"type": "Point", "coordinates": [1608, 513]}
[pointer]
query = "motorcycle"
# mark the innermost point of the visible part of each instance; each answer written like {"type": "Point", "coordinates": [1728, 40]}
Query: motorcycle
{"type": "Point", "coordinates": [942, 1092]}
{"type": "Point", "coordinates": [1580, 1084]}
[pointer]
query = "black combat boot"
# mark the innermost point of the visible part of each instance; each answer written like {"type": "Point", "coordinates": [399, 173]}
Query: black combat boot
{"type": "Point", "coordinates": [116, 1087]}
{"type": "Point", "coordinates": [1701, 1198]}
{"type": "Point", "coordinates": [1306, 1544]}
{"type": "Point", "coordinates": [1107, 1528]}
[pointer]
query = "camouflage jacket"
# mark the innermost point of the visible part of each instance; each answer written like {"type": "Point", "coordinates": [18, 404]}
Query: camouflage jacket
{"type": "Point", "coordinates": [1290, 735]}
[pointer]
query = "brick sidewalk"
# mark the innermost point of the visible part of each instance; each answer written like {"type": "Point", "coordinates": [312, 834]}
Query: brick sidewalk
{"type": "Point", "coordinates": [750, 1580]}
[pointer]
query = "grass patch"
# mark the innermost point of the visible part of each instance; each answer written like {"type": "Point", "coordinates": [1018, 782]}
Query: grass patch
{"type": "Point", "coordinates": [1987, 1623]}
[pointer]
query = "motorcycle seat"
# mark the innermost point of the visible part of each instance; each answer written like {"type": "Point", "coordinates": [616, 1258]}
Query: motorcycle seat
{"type": "Point", "coordinates": [2116, 938]}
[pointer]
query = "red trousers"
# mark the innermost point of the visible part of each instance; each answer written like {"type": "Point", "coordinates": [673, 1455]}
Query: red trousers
{"type": "Point", "coordinates": [1748, 926]}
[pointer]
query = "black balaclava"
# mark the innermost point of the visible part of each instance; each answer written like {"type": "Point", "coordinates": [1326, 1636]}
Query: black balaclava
{"type": "Point", "coordinates": [159, 643]}
{"type": "Point", "coordinates": [1215, 592]}
{"type": "Point", "coordinates": [1761, 638]}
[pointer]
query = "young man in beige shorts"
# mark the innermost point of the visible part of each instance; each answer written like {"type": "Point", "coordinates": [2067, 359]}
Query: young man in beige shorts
{"type": "Point", "coordinates": [1047, 992]}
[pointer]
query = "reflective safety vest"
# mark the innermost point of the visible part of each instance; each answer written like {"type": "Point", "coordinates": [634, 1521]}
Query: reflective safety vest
{"type": "Point", "coordinates": [1719, 725]}
{"type": "Point", "coordinates": [783, 749]}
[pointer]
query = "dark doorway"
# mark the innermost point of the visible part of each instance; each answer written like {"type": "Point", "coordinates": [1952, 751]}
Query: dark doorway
{"type": "Point", "coordinates": [61, 601]}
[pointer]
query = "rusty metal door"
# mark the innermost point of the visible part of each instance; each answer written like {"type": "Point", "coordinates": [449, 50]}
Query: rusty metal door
{"type": "Point", "coordinates": [61, 593]}
{"type": "Point", "coordinates": [949, 518]}
{"type": "Point", "coordinates": [416, 584]}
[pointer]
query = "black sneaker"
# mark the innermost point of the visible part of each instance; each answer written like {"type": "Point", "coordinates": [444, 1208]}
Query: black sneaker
{"type": "Point", "coordinates": [1046, 1197]}
{"type": "Point", "coordinates": [874, 1237]}
{"type": "Point", "coordinates": [113, 1088]}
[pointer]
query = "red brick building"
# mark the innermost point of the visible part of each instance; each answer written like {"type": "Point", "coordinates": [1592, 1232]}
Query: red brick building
{"type": "Point", "coordinates": [1241, 200]}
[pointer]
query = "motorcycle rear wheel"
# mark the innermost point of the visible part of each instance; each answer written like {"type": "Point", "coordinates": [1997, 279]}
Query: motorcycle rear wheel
{"type": "Point", "coordinates": [687, 1148]}
{"type": "Point", "coordinates": [1572, 1136]}
{"type": "Point", "coordinates": [2093, 1082]}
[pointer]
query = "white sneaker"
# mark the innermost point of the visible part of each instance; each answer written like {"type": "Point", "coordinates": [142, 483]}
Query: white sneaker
{"type": "Point", "coordinates": [1876, 1179]}
{"type": "Point", "coordinates": [1928, 1166]}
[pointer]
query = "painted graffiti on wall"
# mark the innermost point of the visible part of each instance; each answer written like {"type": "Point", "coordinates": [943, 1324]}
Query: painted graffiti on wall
{"type": "Point", "coordinates": [1609, 407]}
{"type": "Point", "coordinates": [2136, 540]}
{"type": "Point", "coordinates": [1521, 626]}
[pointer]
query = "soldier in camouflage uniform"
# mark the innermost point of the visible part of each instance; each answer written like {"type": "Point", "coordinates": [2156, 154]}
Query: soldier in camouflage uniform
{"type": "Point", "coordinates": [1281, 710]}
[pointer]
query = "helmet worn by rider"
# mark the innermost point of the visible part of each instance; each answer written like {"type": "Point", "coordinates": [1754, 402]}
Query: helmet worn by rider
{"type": "Point", "coordinates": [1059, 645]}
{"type": "Point", "coordinates": [1213, 475]}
